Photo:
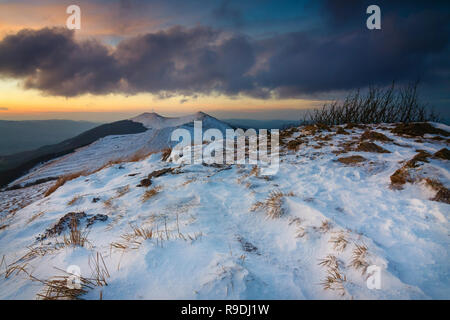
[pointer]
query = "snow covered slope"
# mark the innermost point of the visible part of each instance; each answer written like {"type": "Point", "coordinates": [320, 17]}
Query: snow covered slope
{"type": "Point", "coordinates": [155, 121]}
{"type": "Point", "coordinates": [112, 148]}
{"type": "Point", "coordinates": [226, 232]}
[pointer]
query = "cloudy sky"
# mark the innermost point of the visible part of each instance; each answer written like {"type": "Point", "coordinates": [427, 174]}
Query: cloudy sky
{"type": "Point", "coordinates": [259, 59]}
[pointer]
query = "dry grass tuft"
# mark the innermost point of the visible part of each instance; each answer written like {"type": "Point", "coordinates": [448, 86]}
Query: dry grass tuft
{"type": "Point", "coordinates": [99, 270]}
{"type": "Point", "coordinates": [334, 281]}
{"type": "Point", "coordinates": [330, 261]}
{"type": "Point", "coordinates": [148, 194]}
{"type": "Point", "coordinates": [166, 154]}
{"type": "Point", "coordinates": [366, 146]}
{"type": "Point", "coordinates": [406, 172]}
{"type": "Point", "coordinates": [339, 242]}
{"type": "Point", "coordinates": [35, 216]}
{"type": "Point", "coordinates": [74, 200]}
{"type": "Point", "coordinates": [273, 205]}
{"type": "Point", "coordinates": [373, 135]}
{"type": "Point", "coordinates": [358, 258]}
{"type": "Point", "coordinates": [134, 239]}
{"type": "Point", "coordinates": [352, 160]}
{"type": "Point", "coordinates": [295, 144]}
{"type": "Point", "coordinates": [64, 287]}
{"type": "Point", "coordinates": [76, 237]}
{"type": "Point", "coordinates": [57, 288]}
{"type": "Point", "coordinates": [108, 203]}
{"type": "Point", "coordinates": [418, 129]}
{"type": "Point", "coordinates": [325, 226]}
{"type": "Point", "coordinates": [62, 180]}
{"type": "Point", "coordinates": [122, 191]}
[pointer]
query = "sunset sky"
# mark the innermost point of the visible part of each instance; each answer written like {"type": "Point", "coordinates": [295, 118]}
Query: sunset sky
{"type": "Point", "coordinates": [251, 59]}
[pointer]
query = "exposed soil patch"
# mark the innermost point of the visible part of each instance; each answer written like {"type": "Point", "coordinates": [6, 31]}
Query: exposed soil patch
{"type": "Point", "coordinates": [147, 182]}
{"type": "Point", "coordinates": [404, 174]}
{"type": "Point", "coordinates": [400, 177]}
{"type": "Point", "coordinates": [97, 217]}
{"type": "Point", "coordinates": [62, 224]}
{"type": "Point", "coordinates": [351, 126]}
{"type": "Point", "coordinates": [323, 127]}
{"type": "Point", "coordinates": [352, 160]}
{"type": "Point", "coordinates": [247, 246]}
{"type": "Point", "coordinates": [326, 137]}
{"type": "Point", "coordinates": [345, 147]}
{"type": "Point", "coordinates": [314, 128]}
{"type": "Point", "coordinates": [71, 217]}
{"type": "Point", "coordinates": [418, 129]}
{"type": "Point", "coordinates": [443, 154]}
{"type": "Point", "coordinates": [422, 156]}
{"type": "Point", "coordinates": [287, 133]}
{"type": "Point", "coordinates": [294, 144]}
{"type": "Point", "coordinates": [159, 173]}
{"type": "Point", "coordinates": [341, 130]}
{"type": "Point", "coordinates": [443, 195]}
{"type": "Point", "coordinates": [373, 135]}
{"type": "Point", "coordinates": [371, 147]}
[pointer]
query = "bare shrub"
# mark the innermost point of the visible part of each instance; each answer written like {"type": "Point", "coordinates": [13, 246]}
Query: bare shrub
{"type": "Point", "coordinates": [378, 105]}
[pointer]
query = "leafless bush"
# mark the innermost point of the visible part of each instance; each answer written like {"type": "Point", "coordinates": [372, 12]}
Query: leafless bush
{"type": "Point", "coordinates": [378, 105]}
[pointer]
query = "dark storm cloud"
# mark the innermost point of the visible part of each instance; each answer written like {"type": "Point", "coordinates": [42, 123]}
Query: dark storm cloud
{"type": "Point", "coordinates": [342, 54]}
{"type": "Point", "coordinates": [52, 61]}
{"type": "Point", "coordinates": [404, 51]}
{"type": "Point", "coordinates": [177, 60]}
{"type": "Point", "coordinates": [186, 60]}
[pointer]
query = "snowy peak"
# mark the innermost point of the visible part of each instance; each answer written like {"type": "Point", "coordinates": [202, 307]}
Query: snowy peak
{"type": "Point", "coordinates": [152, 120]}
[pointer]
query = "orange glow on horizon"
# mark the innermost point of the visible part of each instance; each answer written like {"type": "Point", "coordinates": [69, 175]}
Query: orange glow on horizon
{"type": "Point", "coordinates": [15, 100]}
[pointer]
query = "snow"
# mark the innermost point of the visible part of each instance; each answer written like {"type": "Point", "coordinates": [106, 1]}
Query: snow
{"type": "Point", "coordinates": [208, 243]}
{"type": "Point", "coordinates": [112, 148]}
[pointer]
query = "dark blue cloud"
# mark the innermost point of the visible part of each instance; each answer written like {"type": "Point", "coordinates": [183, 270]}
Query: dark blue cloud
{"type": "Point", "coordinates": [331, 49]}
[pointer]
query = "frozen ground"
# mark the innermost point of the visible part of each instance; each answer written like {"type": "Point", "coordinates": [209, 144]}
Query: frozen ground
{"type": "Point", "coordinates": [204, 232]}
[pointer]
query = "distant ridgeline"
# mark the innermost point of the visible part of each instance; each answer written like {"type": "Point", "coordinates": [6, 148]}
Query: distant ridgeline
{"type": "Point", "coordinates": [14, 166]}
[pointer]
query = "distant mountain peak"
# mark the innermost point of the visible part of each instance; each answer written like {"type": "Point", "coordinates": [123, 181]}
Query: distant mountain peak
{"type": "Point", "coordinates": [152, 120]}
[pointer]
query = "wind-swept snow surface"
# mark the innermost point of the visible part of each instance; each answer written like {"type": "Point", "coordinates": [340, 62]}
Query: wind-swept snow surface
{"type": "Point", "coordinates": [116, 147]}
{"type": "Point", "coordinates": [225, 232]}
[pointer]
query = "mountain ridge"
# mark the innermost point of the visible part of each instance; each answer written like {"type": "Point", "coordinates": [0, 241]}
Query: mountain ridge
{"type": "Point", "coordinates": [147, 132]}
